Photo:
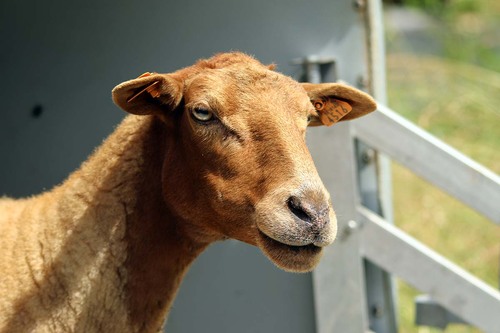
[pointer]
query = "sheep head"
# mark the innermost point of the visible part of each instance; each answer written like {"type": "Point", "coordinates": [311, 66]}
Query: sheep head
{"type": "Point", "coordinates": [237, 164]}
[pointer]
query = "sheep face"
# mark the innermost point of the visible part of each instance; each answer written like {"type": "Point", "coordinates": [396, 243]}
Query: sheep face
{"type": "Point", "coordinates": [236, 164]}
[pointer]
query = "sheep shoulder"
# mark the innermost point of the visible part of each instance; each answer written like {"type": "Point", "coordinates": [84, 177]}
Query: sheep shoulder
{"type": "Point", "coordinates": [63, 252]}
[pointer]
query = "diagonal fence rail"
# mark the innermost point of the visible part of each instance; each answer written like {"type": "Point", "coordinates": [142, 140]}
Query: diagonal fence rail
{"type": "Point", "coordinates": [433, 160]}
{"type": "Point", "coordinates": [455, 289]}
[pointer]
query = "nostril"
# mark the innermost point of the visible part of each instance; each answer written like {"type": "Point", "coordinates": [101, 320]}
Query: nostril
{"type": "Point", "coordinates": [298, 210]}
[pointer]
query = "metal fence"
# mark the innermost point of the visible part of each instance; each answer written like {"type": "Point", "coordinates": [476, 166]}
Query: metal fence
{"type": "Point", "coordinates": [363, 234]}
{"type": "Point", "coordinates": [446, 283]}
{"type": "Point", "coordinates": [353, 286]}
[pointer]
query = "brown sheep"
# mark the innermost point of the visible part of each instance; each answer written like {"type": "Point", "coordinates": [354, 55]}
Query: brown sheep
{"type": "Point", "coordinates": [213, 151]}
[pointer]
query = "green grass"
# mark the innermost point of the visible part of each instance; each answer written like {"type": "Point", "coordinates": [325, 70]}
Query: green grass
{"type": "Point", "coordinates": [456, 97]}
{"type": "Point", "coordinates": [458, 103]}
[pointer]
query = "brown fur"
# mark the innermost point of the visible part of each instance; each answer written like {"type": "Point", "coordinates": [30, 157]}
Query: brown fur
{"type": "Point", "coordinates": [106, 250]}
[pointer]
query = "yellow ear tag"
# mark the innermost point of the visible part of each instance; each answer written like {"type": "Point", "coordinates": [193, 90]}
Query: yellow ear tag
{"type": "Point", "coordinates": [331, 110]}
{"type": "Point", "coordinates": [152, 89]}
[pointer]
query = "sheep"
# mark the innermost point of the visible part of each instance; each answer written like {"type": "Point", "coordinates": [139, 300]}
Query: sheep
{"type": "Point", "coordinates": [212, 151]}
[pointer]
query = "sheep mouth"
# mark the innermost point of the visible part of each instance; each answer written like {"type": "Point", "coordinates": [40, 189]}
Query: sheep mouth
{"type": "Point", "coordinates": [303, 249]}
{"type": "Point", "coordinates": [290, 258]}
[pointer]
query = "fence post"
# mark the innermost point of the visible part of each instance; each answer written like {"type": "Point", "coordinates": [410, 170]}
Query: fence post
{"type": "Point", "coordinates": [338, 282]}
{"type": "Point", "coordinates": [339, 289]}
{"type": "Point", "coordinates": [374, 172]}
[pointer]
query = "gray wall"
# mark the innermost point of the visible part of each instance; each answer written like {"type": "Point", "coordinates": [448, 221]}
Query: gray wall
{"type": "Point", "coordinates": [66, 56]}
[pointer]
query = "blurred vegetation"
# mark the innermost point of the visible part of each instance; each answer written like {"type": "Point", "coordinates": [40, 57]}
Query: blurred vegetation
{"type": "Point", "coordinates": [467, 29]}
{"type": "Point", "coordinates": [452, 89]}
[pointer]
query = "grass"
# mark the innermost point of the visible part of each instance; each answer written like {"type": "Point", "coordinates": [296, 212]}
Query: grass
{"type": "Point", "coordinates": [455, 96]}
{"type": "Point", "coordinates": [458, 103]}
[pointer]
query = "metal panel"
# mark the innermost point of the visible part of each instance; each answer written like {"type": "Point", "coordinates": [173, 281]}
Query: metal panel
{"type": "Point", "coordinates": [232, 288]}
{"type": "Point", "coordinates": [433, 160]}
{"type": "Point", "coordinates": [449, 285]}
{"type": "Point", "coordinates": [339, 290]}
{"type": "Point", "coordinates": [430, 313]}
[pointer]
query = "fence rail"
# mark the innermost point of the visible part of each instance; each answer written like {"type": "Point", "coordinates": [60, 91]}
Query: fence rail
{"type": "Point", "coordinates": [433, 160]}
{"type": "Point", "coordinates": [449, 285]}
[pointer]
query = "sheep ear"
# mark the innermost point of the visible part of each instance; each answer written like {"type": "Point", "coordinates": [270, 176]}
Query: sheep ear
{"type": "Point", "coordinates": [150, 93]}
{"type": "Point", "coordinates": [336, 102]}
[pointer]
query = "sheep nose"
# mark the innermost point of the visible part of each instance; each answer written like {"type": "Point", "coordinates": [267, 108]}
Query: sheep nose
{"type": "Point", "coordinates": [313, 210]}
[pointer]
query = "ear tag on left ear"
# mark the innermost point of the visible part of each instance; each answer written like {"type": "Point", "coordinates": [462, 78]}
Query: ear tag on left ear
{"type": "Point", "coordinates": [331, 110]}
{"type": "Point", "coordinates": [152, 89]}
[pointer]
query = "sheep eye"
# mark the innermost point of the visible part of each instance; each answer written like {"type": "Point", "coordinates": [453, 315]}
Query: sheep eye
{"type": "Point", "coordinates": [202, 115]}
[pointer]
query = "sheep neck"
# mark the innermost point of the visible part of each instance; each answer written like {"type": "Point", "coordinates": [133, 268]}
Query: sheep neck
{"type": "Point", "coordinates": [126, 174]}
{"type": "Point", "coordinates": [160, 248]}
